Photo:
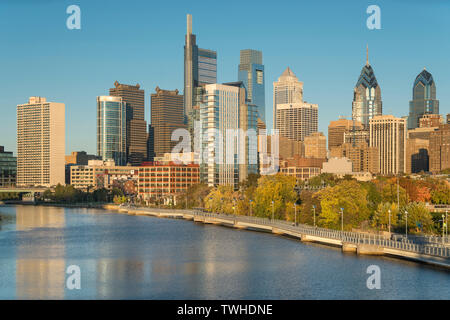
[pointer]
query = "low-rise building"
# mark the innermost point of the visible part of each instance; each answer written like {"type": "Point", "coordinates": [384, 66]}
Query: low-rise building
{"type": "Point", "coordinates": [301, 168]}
{"type": "Point", "coordinates": [166, 180]}
{"type": "Point", "coordinates": [101, 174]}
{"type": "Point", "coordinates": [8, 168]}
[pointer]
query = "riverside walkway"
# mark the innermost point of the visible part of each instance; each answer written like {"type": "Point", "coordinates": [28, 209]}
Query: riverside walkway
{"type": "Point", "coordinates": [429, 252]}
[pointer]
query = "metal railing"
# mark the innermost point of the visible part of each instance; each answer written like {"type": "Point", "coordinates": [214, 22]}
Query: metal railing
{"type": "Point", "coordinates": [429, 245]}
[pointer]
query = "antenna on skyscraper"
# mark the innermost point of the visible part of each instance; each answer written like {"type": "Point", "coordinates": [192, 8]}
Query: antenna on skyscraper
{"type": "Point", "coordinates": [367, 54]}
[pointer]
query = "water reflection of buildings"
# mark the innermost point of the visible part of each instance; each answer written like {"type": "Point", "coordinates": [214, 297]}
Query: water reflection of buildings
{"type": "Point", "coordinates": [40, 265]}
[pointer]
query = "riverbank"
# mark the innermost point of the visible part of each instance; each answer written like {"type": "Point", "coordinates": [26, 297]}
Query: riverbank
{"type": "Point", "coordinates": [308, 234]}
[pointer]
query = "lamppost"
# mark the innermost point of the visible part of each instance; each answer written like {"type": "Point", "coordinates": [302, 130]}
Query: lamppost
{"type": "Point", "coordinates": [389, 221]}
{"type": "Point", "coordinates": [251, 207]}
{"type": "Point", "coordinates": [446, 223]}
{"type": "Point", "coordinates": [406, 226]}
{"type": "Point", "coordinates": [273, 209]}
{"type": "Point", "coordinates": [314, 209]}
{"type": "Point", "coordinates": [342, 219]}
{"type": "Point", "coordinates": [210, 203]}
{"type": "Point", "coordinates": [295, 210]}
{"type": "Point", "coordinates": [443, 227]}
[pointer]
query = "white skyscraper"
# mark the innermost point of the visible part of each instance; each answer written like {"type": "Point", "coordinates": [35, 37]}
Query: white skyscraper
{"type": "Point", "coordinates": [228, 135]}
{"type": "Point", "coordinates": [294, 118]}
{"type": "Point", "coordinates": [40, 143]}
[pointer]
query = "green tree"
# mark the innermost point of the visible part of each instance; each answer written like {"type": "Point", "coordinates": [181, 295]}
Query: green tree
{"type": "Point", "coordinates": [347, 195]}
{"type": "Point", "coordinates": [381, 215]}
{"type": "Point", "coordinates": [278, 188]}
{"type": "Point", "coordinates": [418, 216]}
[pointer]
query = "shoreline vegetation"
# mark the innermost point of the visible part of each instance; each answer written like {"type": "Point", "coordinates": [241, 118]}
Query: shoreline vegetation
{"type": "Point", "coordinates": [381, 205]}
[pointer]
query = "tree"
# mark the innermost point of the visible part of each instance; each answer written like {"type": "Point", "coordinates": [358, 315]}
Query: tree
{"type": "Point", "coordinates": [381, 215]}
{"type": "Point", "coordinates": [441, 195]}
{"type": "Point", "coordinates": [278, 188]}
{"type": "Point", "coordinates": [418, 217]}
{"type": "Point", "coordinates": [347, 195]}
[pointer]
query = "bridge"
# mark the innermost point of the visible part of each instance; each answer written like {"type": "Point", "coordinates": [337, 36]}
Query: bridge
{"type": "Point", "coordinates": [27, 193]}
{"type": "Point", "coordinates": [429, 250]}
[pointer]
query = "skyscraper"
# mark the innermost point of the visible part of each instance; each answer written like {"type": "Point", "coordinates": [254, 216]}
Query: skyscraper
{"type": "Point", "coordinates": [200, 68]}
{"type": "Point", "coordinates": [112, 129]}
{"type": "Point", "coordinates": [337, 130]}
{"type": "Point", "coordinates": [388, 134]}
{"type": "Point", "coordinates": [41, 134]}
{"type": "Point", "coordinates": [228, 154]}
{"type": "Point", "coordinates": [286, 90]}
{"type": "Point", "coordinates": [294, 118]}
{"type": "Point", "coordinates": [251, 73]}
{"type": "Point", "coordinates": [366, 96]}
{"type": "Point", "coordinates": [136, 136]}
{"type": "Point", "coordinates": [424, 99]}
{"type": "Point", "coordinates": [167, 116]}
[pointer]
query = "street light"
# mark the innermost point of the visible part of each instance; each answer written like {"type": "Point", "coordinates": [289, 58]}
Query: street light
{"type": "Point", "coordinates": [314, 209]}
{"type": "Point", "coordinates": [342, 219]}
{"type": "Point", "coordinates": [389, 221]}
{"type": "Point", "coordinates": [295, 209]}
{"type": "Point", "coordinates": [273, 209]}
{"type": "Point", "coordinates": [251, 207]}
{"type": "Point", "coordinates": [406, 226]}
{"type": "Point", "coordinates": [443, 227]}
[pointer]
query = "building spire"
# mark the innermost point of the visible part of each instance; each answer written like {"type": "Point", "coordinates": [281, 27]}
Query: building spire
{"type": "Point", "coordinates": [367, 55]}
{"type": "Point", "coordinates": [189, 24]}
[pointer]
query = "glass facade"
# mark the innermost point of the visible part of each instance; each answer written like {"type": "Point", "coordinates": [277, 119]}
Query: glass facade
{"type": "Point", "coordinates": [111, 129]}
{"type": "Point", "coordinates": [8, 168]}
{"type": "Point", "coordinates": [251, 73]}
{"type": "Point", "coordinates": [366, 97]}
{"type": "Point", "coordinates": [424, 99]}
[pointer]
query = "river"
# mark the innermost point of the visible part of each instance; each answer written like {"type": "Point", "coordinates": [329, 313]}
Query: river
{"type": "Point", "coordinates": [136, 257]}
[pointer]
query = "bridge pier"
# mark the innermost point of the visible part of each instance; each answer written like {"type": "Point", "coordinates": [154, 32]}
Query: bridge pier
{"type": "Point", "coordinates": [369, 249]}
{"type": "Point", "coordinates": [349, 247]}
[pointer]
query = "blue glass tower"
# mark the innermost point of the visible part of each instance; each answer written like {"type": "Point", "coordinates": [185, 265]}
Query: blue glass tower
{"type": "Point", "coordinates": [112, 129]}
{"type": "Point", "coordinates": [424, 99]}
{"type": "Point", "coordinates": [251, 73]}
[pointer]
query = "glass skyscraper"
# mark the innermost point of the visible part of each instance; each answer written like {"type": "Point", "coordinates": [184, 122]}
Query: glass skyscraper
{"type": "Point", "coordinates": [366, 96]}
{"type": "Point", "coordinates": [112, 129]}
{"type": "Point", "coordinates": [424, 99]}
{"type": "Point", "coordinates": [200, 68]}
{"type": "Point", "coordinates": [227, 140]}
{"type": "Point", "coordinates": [251, 73]}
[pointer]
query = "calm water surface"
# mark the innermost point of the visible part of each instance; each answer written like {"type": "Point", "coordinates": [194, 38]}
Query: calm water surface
{"type": "Point", "coordinates": [129, 257]}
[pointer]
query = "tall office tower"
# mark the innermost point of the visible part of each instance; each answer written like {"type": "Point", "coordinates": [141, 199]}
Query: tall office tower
{"type": "Point", "coordinates": [8, 168]}
{"type": "Point", "coordinates": [366, 96]}
{"type": "Point", "coordinates": [200, 68]}
{"type": "Point", "coordinates": [167, 116]}
{"type": "Point", "coordinates": [440, 148]}
{"type": "Point", "coordinates": [388, 133]}
{"type": "Point", "coordinates": [112, 129]}
{"type": "Point", "coordinates": [41, 142]}
{"type": "Point", "coordinates": [251, 73]}
{"type": "Point", "coordinates": [228, 155]}
{"type": "Point", "coordinates": [337, 130]}
{"type": "Point", "coordinates": [424, 99]}
{"type": "Point", "coordinates": [316, 146]}
{"type": "Point", "coordinates": [134, 97]}
{"type": "Point", "coordinates": [287, 90]}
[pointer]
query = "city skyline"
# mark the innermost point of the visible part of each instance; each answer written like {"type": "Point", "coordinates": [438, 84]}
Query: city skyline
{"type": "Point", "coordinates": [396, 68]}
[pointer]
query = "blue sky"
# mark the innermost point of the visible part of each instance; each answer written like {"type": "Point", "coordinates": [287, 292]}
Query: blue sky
{"type": "Point", "coordinates": [140, 41]}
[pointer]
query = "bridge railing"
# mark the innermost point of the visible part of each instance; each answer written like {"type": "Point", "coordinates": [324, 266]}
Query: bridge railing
{"type": "Point", "coordinates": [425, 247]}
